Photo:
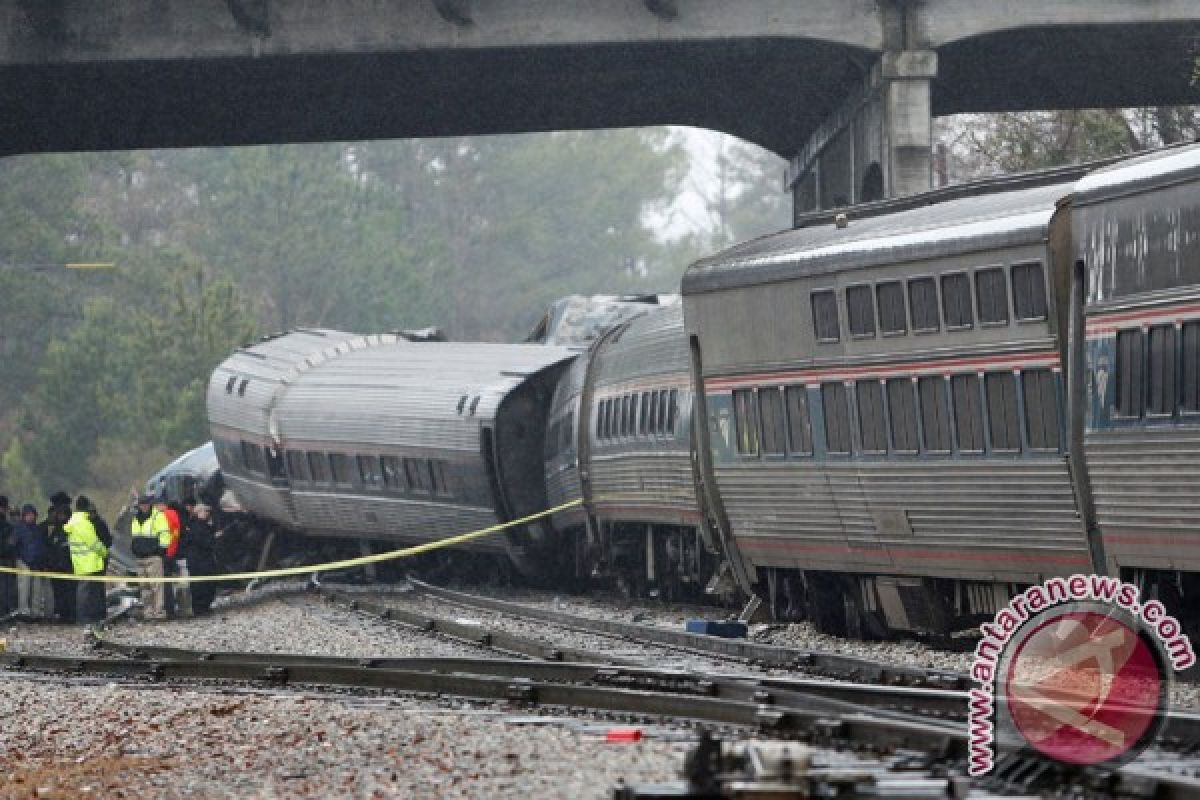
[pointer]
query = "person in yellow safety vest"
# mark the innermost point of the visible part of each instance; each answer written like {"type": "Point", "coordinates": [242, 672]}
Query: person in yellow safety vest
{"type": "Point", "coordinates": [87, 558]}
{"type": "Point", "coordinates": [151, 535]}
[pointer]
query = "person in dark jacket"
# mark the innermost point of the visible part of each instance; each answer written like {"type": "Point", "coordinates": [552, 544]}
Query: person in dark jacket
{"type": "Point", "coordinates": [8, 558]}
{"type": "Point", "coordinates": [196, 550]}
{"type": "Point", "coordinates": [59, 555]}
{"type": "Point", "coordinates": [33, 594]}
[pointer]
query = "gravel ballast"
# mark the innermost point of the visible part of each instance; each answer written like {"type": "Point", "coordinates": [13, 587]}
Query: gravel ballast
{"type": "Point", "coordinates": [116, 741]}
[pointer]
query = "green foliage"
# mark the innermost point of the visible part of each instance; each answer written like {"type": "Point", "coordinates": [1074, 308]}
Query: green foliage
{"type": "Point", "coordinates": [133, 374]}
{"type": "Point", "coordinates": [20, 483]}
{"type": "Point", "coordinates": [478, 236]}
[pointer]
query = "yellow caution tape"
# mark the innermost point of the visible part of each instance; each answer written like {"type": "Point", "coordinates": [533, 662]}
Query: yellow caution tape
{"type": "Point", "coordinates": [286, 571]}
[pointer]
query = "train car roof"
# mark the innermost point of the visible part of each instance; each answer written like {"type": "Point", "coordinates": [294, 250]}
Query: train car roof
{"type": "Point", "coordinates": [404, 394]}
{"type": "Point", "coordinates": [243, 386]}
{"type": "Point", "coordinates": [650, 345]}
{"type": "Point", "coordinates": [1158, 168]}
{"type": "Point", "coordinates": [951, 227]}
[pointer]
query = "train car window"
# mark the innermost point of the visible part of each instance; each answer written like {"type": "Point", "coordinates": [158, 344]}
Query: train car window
{"type": "Point", "coordinates": [825, 316]}
{"type": "Point", "coordinates": [437, 478]}
{"type": "Point", "coordinates": [318, 467]}
{"type": "Point", "coordinates": [968, 413]}
{"type": "Point", "coordinates": [1029, 291]}
{"type": "Point", "coordinates": [657, 412]}
{"type": "Point", "coordinates": [602, 420]}
{"type": "Point", "coordinates": [835, 407]}
{"type": "Point", "coordinates": [253, 459]}
{"type": "Point", "coordinates": [672, 411]}
{"type": "Point", "coordinates": [892, 316]}
{"type": "Point", "coordinates": [229, 384]}
{"type": "Point", "coordinates": [644, 413]}
{"type": "Point", "coordinates": [770, 412]}
{"type": "Point", "coordinates": [935, 414]}
{"type": "Point", "coordinates": [991, 291]}
{"type": "Point", "coordinates": [1003, 419]}
{"type": "Point", "coordinates": [902, 412]}
{"type": "Point", "coordinates": [416, 474]}
{"type": "Point", "coordinates": [393, 475]}
{"type": "Point", "coordinates": [871, 422]}
{"type": "Point", "coordinates": [275, 466]}
{"type": "Point", "coordinates": [922, 297]}
{"type": "Point", "coordinates": [568, 430]}
{"type": "Point", "coordinates": [629, 424]}
{"type": "Point", "coordinates": [297, 468]}
{"type": "Point", "coordinates": [799, 424]}
{"type": "Point", "coordinates": [369, 472]}
{"type": "Point", "coordinates": [1190, 400]}
{"type": "Point", "coordinates": [1163, 394]}
{"type": "Point", "coordinates": [746, 416]}
{"type": "Point", "coordinates": [956, 300]}
{"type": "Point", "coordinates": [339, 468]}
{"type": "Point", "coordinates": [1041, 408]}
{"type": "Point", "coordinates": [1130, 372]}
{"type": "Point", "coordinates": [860, 310]}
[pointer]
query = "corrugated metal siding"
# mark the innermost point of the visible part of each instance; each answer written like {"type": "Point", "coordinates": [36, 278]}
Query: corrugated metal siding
{"type": "Point", "coordinates": [264, 366]}
{"type": "Point", "coordinates": [408, 395]}
{"type": "Point", "coordinates": [1145, 483]}
{"type": "Point", "coordinates": [654, 344]}
{"type": "Point", "coordinates": [639, 480]}
{"type": "Point", "coordinates": [637, 477]}
{"type": "Point", "coordinates": [563, 486]}
{"type": "Point", "coordinates": [403, 520]}
{"type": "Point", "coordinates": [964, 518]}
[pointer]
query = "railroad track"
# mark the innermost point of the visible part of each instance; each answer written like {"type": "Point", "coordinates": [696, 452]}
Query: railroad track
{"type": "Point", "coordinates": [810, 662]}
{"type": "Point", "coordinates": [924, 746]}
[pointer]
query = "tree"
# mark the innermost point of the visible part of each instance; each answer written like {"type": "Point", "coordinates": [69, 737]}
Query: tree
{"type": "Point", "coordinates": [134, 375]}
{"type": "Point", "coordinates": [988, 144]}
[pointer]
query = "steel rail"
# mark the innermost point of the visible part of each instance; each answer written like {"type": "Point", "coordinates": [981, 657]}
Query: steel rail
{"type": "Point", "coordinates": [522, 683]}
{"type": "Point", "coordinates": [814, 720]}
{"type": "Point", "coordinates": [840, 697]}
{"type": "Point", "coordinates": [475, 634]}
{"type": "Point", "coordinates": [812, 661]}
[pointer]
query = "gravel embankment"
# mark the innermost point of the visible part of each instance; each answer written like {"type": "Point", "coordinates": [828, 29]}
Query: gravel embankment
{"type": "Point", "coordinates": [112, 741]}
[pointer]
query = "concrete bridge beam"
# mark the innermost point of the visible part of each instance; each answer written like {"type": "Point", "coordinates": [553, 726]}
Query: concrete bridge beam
{"type": "Point", "coordinates": [878, 143]}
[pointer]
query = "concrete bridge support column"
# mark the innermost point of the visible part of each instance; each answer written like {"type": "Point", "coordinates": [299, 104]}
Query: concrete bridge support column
{"type": "Point", "coordinates": [877, 144]}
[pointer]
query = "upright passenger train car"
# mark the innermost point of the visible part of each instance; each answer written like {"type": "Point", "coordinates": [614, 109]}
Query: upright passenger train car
{"type": "Point", "coordinates": [1136, 231]}
{"type": "Point", "coordinates": [376, 437]}
{"type": "Point", "coordinates": [885, 400]}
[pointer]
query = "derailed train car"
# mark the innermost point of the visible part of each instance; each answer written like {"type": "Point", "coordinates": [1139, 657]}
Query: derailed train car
{"type": "Point", "coordinates": [894, 420]}
{"type": "Point", "coordinates": [621, 440]}
{"type": "Point", "coordinates": [383, 439]}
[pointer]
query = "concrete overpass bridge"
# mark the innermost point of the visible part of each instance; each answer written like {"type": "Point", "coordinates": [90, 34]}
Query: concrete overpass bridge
{"type": "Point", "coordinates": [846, 89]}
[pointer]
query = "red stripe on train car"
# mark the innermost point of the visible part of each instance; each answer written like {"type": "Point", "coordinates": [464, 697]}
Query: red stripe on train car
{"type": "Point", "coordinates": [944, 366]}
{"type": "Point", "coordinates": [1103, 324]}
